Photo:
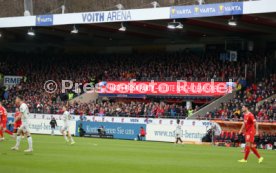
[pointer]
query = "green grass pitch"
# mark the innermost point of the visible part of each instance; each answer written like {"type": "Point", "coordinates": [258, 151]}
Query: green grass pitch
{"type": "Point", "coordinates": [52, 154]}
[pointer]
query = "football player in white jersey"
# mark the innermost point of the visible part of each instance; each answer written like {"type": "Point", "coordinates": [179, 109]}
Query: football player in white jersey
{"type": "Point", "coordinates": [178, 133]}
{"type": "Point", "coordinates": [24, 116]}
{"type": "Point", "coordinates": [65, 130]}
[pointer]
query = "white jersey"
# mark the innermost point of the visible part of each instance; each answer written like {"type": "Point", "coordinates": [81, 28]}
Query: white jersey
{"type": "Point", "coordinates": [178, 131]}
{"type": "Point", "coordinates": [66, 118]}
{"type": "Point", "coordinates": [24, 110]}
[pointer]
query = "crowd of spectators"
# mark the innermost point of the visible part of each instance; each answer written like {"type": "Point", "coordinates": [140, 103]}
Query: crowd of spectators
{"type": "Point", "coordinates": [164, 67]}
{"type": "Point", "coordinates": [130, 109]}
{"type": "Point", "coordinates": [36, 69]}
{"type": "Point", "coordinates": [251, 95]}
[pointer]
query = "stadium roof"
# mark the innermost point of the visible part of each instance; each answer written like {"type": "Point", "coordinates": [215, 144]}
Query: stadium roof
{"type": "Point", "coordinates": [210, 30]}
{"type": "Point", "coordinates": [72, 6]}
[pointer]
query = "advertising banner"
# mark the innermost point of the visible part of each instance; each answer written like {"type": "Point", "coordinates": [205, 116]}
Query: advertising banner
{"type": "Point", "coordinates": [10, 81]}
{"type": "Point", "coordinates": [166, 88]}
{"type": "Point", "coordinates": [113, 16]}
{"type": "Point", "coordinates": [134, 120]}
{"type": "Point", "coordinates": [130, 120]}
{"type": "Point", "coordinates": [42, 126]}
{"type": "Point", "coordinates": [49, 116]}
{"type": "Point", "coordinates": [39, 126]}
{"type": "Point", "coordinates": [207, 10]}
{"type": "Point", "coordinates": [166, 133]}
{"type": "Point", "coordinates": [118, 130]}
{"type": "Point", "coordinates": [44, 20]}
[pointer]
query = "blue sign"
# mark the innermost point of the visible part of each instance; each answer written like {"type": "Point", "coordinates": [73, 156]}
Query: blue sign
{"type": "Point", "coordinates": [118, 130]}
{"type": "Point", "coordinates": [44, 20]}
{"type": "Point", "coordinates": [192, 11]}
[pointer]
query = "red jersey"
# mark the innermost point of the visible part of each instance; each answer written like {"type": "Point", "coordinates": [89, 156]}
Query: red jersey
{"type": "Point", "coordinates": [249, 121]}
{"type": "Point", "coordinates": [3, 114]}
{"type": "Point", "coordinates": [143, 132]}
{"type": "Point", "coordinates": [18, 122]}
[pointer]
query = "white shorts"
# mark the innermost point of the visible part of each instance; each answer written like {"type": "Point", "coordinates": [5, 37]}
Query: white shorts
{"type": "Point", "coordinates": [177, 135]}
{"type": "Point", "coordinates": [24, 128]}
{"type": "Point", "coordinates": [65, 128]}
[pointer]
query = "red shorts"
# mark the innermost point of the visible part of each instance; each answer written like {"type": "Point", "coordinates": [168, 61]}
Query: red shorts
{"type": "Point", "coordinates": [3, 124]}
{"type": "Point", "coordinates": [250, 136]}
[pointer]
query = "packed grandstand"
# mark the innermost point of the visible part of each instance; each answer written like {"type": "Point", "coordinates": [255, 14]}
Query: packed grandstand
{"type": "Point", "coordinates": [144, 67]}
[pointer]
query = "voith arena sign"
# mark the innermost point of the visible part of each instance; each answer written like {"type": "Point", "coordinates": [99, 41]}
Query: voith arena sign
{"type": "Point", "coordinates": [109, 16]}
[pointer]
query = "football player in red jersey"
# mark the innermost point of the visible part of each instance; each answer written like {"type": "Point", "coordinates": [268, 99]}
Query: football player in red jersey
{"type": "Point", "coordinates": [248, 126]}
{"type": "Point", "coordinates": [3, 122]}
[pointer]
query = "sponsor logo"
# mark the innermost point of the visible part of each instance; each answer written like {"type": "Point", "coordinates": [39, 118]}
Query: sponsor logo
{"type": "Point", "coordinates": [231, 8]}
{"type": "Point", "coordinates": [205, 123]}
{"type": "Point", "coordinates": [134, 120]}
{"type": "Point", "coordinates": [44, 20]}
{"type": "Point", "coordinates": [12, 80]}
{"type": "Point", "coordinates": [111, 16]}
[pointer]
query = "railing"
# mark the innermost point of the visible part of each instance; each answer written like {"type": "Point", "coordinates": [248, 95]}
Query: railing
{"type": "Point", "coordinates": [267, 99]}
{"type": "Point", "coordinates": [212, 105]}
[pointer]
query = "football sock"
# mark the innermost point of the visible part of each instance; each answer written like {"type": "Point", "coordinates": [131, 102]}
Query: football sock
{"type": "Point", "coordinates": [1, 134]}
{"type": "Point", "coordinates": [9, 132]}
{"type": "Point", "coordinates": [246, 153]}
{"type": "Point", "coordinates": [65, 137]}
{"type": "Point", "coordinates": [30, 142]}
{"type": "Point", "coordinates": [18, 139]}
{"type": "Point", "coordinates": [255, 151]}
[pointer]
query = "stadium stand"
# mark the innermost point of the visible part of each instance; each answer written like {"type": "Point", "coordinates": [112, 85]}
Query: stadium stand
{"type": "Point", "coordinates": [158, 67]}
{"type": "Point", "coordinates": [251, 95]}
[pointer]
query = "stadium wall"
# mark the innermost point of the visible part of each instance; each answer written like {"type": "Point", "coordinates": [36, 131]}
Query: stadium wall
{"type": "Point", "coordinates": [122, 127]}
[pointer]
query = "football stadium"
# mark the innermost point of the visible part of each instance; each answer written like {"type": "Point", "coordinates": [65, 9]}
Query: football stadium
{"type": "Point", "coordinates": [137, 86]}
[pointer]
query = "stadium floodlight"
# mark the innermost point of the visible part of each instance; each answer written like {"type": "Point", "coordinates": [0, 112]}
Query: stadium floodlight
{"type": "Point", "coordinates": [155, 4]}
{"type": "Point", "coordinates": [232, 21]}
{"type": "Point", "coordinates": [175, 25]}
{"type": "Point", "coordinates": [179, 26]}
{"type": "Point", "coordinates": [122, 28]}
{"type": "Point", "coordinates": [119, 6]}
{"type": "Point", "coordinates": [31, 32]}
{"type": "Point", "coordinates": [74, 30]}
{"type": "Point", "coordinates": [200, 2]}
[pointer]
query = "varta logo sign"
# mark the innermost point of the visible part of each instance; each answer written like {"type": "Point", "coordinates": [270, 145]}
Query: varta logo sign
{"type": "Point", "coordinates": [205, 10]}
{"type": "Point", "coordinates": [181, 11]}
{"type": "Point", "coordinates": [44, 20]}
{"type": "Point", "coordinates": [232, 8]}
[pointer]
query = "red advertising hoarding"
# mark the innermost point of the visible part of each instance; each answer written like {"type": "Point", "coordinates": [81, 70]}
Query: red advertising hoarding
{"type": "Point", "coordinates": [167, 88]}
